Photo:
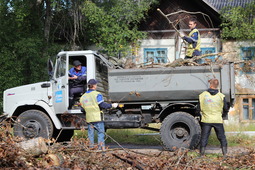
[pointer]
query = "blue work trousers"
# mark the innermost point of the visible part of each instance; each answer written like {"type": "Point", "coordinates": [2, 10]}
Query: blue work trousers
{"type": "Point", "coordinates": [219, 130]}
{"type": "Point", "coordinates": [99, 127]}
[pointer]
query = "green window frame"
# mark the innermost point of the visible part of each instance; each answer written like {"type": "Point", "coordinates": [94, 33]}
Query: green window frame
{"type": "Point", "coordinates": [156, 55]}
{"type": "Point", "coordinates": [247, 54]}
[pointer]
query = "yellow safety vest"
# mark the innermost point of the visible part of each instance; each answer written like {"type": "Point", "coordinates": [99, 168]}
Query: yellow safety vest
{"type": "Point", "coordinates": [89, 103]}
{"type": "Point", "coordinates": [190, 48]}
{"type": "Point", "coordinates": [211, 107]}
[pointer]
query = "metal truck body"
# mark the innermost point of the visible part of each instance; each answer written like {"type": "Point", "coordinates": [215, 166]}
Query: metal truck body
{"type": "Point", "coordinates": [168, 84]}
{"type": "Point", "coordinates": [153, 95]}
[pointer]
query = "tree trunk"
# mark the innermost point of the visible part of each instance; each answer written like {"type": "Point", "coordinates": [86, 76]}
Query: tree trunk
{"type": "Point", "coordinates": [47, 21]}
{"type": "Point", "coordinates": [35, 146]}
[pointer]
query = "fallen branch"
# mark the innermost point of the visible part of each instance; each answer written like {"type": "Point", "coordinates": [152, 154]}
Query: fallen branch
{"type": "Point", "coordinates": [129, 162]}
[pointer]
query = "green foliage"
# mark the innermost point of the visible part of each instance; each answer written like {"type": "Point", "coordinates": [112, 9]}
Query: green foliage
{"type": "Point", "coordinates": [23, 50]}
{"type": "Point", "coordinates": [113, 26]}
{"type": "Point", "coordinates": [32, 31]}
{"type": "Point", "coordinates": [238, 23]}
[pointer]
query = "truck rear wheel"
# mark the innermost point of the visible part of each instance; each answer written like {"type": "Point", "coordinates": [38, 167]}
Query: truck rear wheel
{"type": "Point", "coordinates": [180, 129]}
{"type": "Point", "coordinates": [32, 124]}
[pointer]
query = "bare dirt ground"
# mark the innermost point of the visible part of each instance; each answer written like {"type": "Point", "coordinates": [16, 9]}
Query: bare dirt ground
{"type": "Point", "coordinates": [154, 150]}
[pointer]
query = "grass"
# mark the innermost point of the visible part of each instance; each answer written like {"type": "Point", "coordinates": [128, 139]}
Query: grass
{"type": "Point", "coordinates": [239, 127]}
{"type": "Point", "coordinates": [237, 139]}
{"type": "Point", "coordinates": [135, 136]}
{"type": "Point", "coordinates": [126, 136]}
{"type": "Point", "coordinates": [233, 140]}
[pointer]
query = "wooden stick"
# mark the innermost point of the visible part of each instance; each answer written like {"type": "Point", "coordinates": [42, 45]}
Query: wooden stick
{"type": "Point", "coordinates": [128, 161]}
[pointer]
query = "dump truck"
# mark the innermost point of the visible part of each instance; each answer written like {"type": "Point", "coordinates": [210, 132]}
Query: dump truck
{"type": "Point", "coordinates": [165, 96]}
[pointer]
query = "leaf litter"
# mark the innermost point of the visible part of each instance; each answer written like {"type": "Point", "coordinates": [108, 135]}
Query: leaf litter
{"type": "Point", "coordinates": [76, 154]}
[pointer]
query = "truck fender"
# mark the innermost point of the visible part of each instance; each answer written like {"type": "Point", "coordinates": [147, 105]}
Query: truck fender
{"type": "Point", "coordinates": [168, 109]}
{"type": "Point", "coordinates": [50, 112]}
{"type": "Point", "coordinates": [22, 103]}
{"type": "Point", "coordinates": [42, 104]}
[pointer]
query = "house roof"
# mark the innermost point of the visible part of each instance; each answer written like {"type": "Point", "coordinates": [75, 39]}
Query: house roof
{"type": "Point", "coordinates": [159, 27]}
{"type": "Point", "coordinates": [217, 5]}
{"type": "Point", "coordinates": [155, 21]}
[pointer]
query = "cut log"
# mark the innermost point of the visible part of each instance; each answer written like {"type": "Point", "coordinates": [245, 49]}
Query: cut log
{"type": "Point", "coordinates": [35, 146]}
{"type": "Point", "coordinates": [53, 160]}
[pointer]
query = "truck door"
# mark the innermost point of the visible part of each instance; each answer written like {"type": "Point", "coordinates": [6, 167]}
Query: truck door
{"type": "Point", "coordinates": [60, 85]}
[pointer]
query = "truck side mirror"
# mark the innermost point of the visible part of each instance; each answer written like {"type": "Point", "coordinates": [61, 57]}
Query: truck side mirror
{"type": "Point", "coordinates": [50, 68]}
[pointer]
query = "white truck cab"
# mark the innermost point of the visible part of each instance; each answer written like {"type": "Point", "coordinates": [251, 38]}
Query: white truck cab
{"type": "Point", "coordinates": [38, 107]}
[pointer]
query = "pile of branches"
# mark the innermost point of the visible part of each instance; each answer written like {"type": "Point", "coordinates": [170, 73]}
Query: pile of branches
{"type": "Point", "coordinates": [77, 155]}
{"type": "Point", "coordinates": [127, 63]}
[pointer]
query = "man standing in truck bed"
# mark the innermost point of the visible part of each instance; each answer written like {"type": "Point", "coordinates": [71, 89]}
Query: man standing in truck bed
{"type": "Point", "coordinates": [193, 40]}
{"type": "Point", "coordinates": [92, 101]}
{"type": "Point", "coordinates": [213, 107]}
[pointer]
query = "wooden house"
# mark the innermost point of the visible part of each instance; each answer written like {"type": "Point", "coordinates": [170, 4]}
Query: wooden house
{"type": "Point", "coordinates": [163, 44]}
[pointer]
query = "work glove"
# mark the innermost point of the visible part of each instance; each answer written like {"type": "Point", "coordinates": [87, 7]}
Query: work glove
{"type": "Point", "coordinates": [114, 105]}
{"type": "Point", "coordinates": [181, 34]}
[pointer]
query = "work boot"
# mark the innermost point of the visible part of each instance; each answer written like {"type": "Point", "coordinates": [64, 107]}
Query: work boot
{"type": "Point", "coordinates": [202, 151]}
{"type": "Point", "coordinates": [71, 103]}
{"type": "Point", "coordinates": [224, 151]}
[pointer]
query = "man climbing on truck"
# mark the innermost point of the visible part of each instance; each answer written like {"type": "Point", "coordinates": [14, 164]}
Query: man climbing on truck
{"type": "Point", "coordinates": [193, 40]}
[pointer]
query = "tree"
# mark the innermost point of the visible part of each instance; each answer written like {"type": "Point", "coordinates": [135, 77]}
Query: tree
{"type": "Point", "coordinates": [22, 43]}
{"type": "Point", "coordinates": [238, 22]}
{"type": "Point", "coordinates": [113, 25]}
{"type": "Point", "coordinates": [33, 30]}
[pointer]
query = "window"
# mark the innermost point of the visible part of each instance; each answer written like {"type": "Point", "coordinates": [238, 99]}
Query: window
{"type": "Point", "coordinates": [247, 54]}
{"type": "Point", "coordinates": [247, 113]}
{"type": "Point", "coordinates": [156, 55]}
{"type": "Point", "coordinates": [208, 50]}
{"type": "Point", "coordinates": [61, 66]}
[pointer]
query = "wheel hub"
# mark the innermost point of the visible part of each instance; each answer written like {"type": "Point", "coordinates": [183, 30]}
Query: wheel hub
{"type": "Point", "coordinates": [180, 132]}
{"type": "Point", "coordinates": [31, 129]}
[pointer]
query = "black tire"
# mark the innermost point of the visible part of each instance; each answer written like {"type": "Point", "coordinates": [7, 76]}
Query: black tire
{"type": "Point", "coordinates": [64, 135]}
{"type": "Point", "coordinates": [32, 124]}
{"type": "Point", "coordinates": [180, 130]}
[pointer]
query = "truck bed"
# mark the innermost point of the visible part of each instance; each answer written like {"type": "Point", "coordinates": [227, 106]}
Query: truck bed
{"type": "Point", "coordinates": [168, 84]}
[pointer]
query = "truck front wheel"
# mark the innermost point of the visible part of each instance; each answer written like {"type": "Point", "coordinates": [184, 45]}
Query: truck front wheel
{"type": "Point", "coordinates": [32, 124]}
{"type": "Point", "coordinates": [180, 129]}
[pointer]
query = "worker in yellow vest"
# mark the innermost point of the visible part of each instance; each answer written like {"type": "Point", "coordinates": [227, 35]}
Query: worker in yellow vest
{"type": "Point", "coordinates": [92, 101]}
{"type": "Point", "coordinates": [193, 40]}
{"type": "Point", "coordinates": [213, 108]}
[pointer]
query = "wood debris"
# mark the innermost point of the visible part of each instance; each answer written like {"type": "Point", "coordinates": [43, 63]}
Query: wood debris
{"type": "Point", "coordinates": [127, 63]}
{"type": "Point", "coordinates": [77, 155]}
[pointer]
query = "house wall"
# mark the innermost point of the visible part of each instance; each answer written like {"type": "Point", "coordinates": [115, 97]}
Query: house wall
{"type": "Point", "coordinates": [245, 84]}
{"type": "Point", "coordinates": [173, 51]}
{"type": "Point", "coordinates": [153, 43]}
{"type": "Point", "coordinates": [232, 48]}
